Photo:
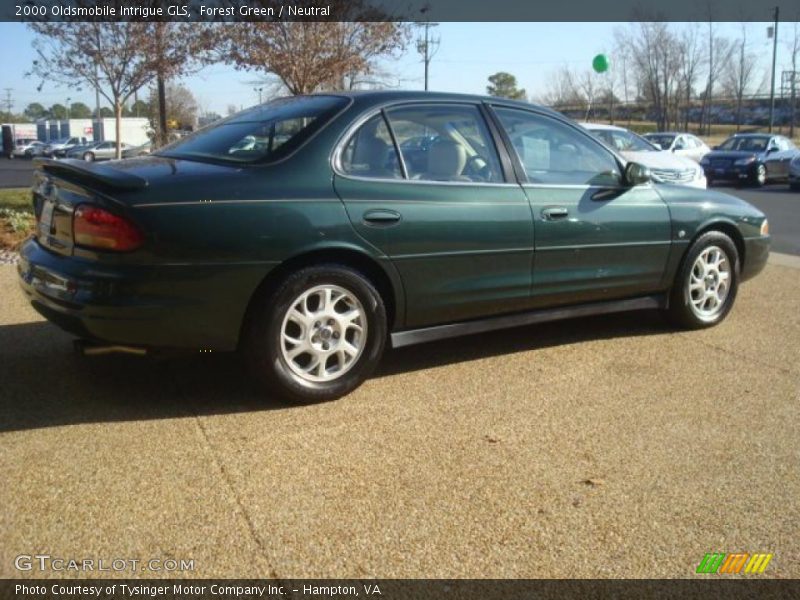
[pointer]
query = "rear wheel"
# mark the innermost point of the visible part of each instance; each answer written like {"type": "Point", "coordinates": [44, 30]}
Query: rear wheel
{"type": "Point", "coordinates": [706, 284]}
{"type": "Point", "coordinates": [318, 335]}
{"type": "Point", "coordinates": [88, 157]}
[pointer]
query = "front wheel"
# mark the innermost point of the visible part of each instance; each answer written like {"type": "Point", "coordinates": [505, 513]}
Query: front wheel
{"type": "Point", "coordinates": [318, 335]}
{"type": "Point", "coordinates": [760, 175]}
{"type": "Point", "coordinates": [706, 284]}
{"type": "Point", "coordinates": [88, 157]}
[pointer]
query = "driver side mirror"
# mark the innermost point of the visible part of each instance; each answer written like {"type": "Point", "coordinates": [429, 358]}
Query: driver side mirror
{"type": "Point", "coordinates": [636, 174]}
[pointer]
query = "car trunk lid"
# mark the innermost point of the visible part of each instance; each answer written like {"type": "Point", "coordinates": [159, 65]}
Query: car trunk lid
{"type": "Point", "coordinates": [60, 186]}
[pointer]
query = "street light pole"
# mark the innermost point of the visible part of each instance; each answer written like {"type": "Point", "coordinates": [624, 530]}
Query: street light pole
{"type": "Point", "coordinates": [66, 107]}
{"type": "Point", "coordinates": [259, 93]}
{"type": "Point", "coordinates": [774, 57]}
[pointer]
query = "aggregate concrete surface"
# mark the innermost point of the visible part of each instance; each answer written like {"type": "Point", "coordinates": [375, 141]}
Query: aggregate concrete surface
{"type": "Point", "coordinates": [602, 447]}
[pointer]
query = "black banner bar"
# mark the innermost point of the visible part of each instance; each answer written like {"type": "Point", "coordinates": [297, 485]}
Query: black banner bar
{"type": "Point", "coordinates": [221, 11]}
{"type": "Point", "coordinates": [708, 588]}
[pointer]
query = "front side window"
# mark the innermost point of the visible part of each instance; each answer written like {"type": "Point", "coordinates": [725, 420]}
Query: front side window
{"type": "Point", "coordinates": [554, 153]}
{"type": "Point", "coordinates": [264, 133]}
{"type": "Point", "coordinates": [445, 143]}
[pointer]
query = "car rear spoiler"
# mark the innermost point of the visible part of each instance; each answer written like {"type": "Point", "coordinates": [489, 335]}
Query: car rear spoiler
{"type": "Point", "coordinates": [86, 171]}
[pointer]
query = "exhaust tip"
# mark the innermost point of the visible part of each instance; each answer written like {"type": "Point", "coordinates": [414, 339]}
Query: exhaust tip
{"type": "Point", "coordinates": [89, 348]}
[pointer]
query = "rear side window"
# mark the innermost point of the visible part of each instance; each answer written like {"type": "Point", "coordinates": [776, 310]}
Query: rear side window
{"type": "Point", "coordinates": [446, 143]}
{"type": "Point", "coordinates": [264, 133]}
{"type": "Point", "coordinates": [371, 152]}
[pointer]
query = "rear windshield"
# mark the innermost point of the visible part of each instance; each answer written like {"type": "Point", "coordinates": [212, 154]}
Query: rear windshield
{"type": "Point", "coordinates": [261, 134]}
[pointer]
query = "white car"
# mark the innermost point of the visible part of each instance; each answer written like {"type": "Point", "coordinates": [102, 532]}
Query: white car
{"type": "Point", "coordinates": [665, 167]}
{"type": "Point", "coordinates": [680, 144]}
{"type": "Point", "coordinates": [27, 147]}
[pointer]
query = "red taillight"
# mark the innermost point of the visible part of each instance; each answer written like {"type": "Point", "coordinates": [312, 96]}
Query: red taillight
{"type": "Point", "coordinates": [97, 228]}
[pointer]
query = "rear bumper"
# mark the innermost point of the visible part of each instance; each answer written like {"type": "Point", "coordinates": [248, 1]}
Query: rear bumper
{"type": "Point", "coordinates": [756, 253]}
{"type": "Point", "coordinates": [181, 307]}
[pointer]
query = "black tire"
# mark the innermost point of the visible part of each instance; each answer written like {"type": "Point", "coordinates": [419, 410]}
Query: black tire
{"type": "Point", "coordinates": [682, 311]}
{"type": "Point", "coordinates": [262, 337]}
{"type": "Point", "coordinates": [759, 175]}
{"type": "Point", "coordinates": [709, 181]}
{"type": "Point", "coordinates": [88, 157]}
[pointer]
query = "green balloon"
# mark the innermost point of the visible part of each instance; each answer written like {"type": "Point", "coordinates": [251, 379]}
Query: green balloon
{"type": "Point", "coordinates": [600, 63]}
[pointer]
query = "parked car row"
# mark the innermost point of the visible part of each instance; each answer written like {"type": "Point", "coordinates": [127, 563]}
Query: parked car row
{"type": "Point", "coordinates": [673, 157]}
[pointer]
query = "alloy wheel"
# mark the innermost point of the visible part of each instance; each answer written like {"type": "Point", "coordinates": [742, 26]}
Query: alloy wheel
{"type": "Point", "coordinates": [761, 175]}
{"type": "Point", "coordinates": [709, 282]}
{"type": "Point", "coordinates": [323, 333]}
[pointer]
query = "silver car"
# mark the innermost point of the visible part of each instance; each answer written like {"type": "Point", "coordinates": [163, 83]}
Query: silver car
{"type": "Point", "coordinates": [100, 151]}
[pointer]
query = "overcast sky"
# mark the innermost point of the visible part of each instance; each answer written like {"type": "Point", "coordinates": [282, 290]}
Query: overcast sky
{"type": "Point", "coordinates": [468, 54]}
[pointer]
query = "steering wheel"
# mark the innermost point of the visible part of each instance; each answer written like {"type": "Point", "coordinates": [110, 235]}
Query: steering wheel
{"type": "Point", "coordinates": [477, 167]}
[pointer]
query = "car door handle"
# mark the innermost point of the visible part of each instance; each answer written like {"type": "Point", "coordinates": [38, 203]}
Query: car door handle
{"type": "Point", "coordinates": [555, 213]}
{"type": "Point", "coordinates": [381, 217]}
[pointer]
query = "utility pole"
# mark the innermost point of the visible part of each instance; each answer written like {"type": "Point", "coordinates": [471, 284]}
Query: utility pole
{"type": "Point", "coordinates": [774, 57]}
{"type": "Point", "coordinates": [66, 107]}
{"type": "Point", "coordinates": [427, 46]}
{"type": "Point", "coordinates": [9, 103]}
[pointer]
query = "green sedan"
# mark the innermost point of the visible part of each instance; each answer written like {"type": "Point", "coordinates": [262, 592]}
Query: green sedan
{"type": "Point", "coordinates": [310, 232]}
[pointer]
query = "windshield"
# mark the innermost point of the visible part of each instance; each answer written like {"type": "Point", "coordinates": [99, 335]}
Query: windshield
{"type": "Point", "coordinates": [264, 133]}
{"type": "Point", "coordinates": [665, 141]}
{"type": "Point", "coordinates": [622, 140]}
{"type": "Point", "coordinates": [746, 144]}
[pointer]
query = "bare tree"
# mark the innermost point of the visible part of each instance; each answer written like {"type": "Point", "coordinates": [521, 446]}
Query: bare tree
{"type": "Point", "coordinates": [110, 57]}
{"type": "Point", "coordinates": [562, 90]}
{"type": "Point", "coordinates": [177, 49]}
{"type": "Point", "coordinates": [654, 54]}
{"type": "Point", "coordinates": [718, 51]}
{"type": "Point", "coordinates": [311, 56]}
{"type": "Point", "coordinates": [738, 74]}
{"type": "Point", "coordinates": [182, 106]}
{"type": "Point", "coordinates": [690, 60]}
{"type": "Point", "coordinates": [793, 45]}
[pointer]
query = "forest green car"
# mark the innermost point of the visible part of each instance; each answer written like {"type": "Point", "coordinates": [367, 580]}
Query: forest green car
{"type": "Point", "coordinates": [311, 231]}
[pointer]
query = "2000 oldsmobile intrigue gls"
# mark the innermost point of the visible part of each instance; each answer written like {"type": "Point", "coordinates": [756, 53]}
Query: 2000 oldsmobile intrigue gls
{"type": "Point", "coordinates": [310, 230]}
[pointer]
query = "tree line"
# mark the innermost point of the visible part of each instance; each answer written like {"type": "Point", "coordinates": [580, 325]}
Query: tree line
{"type": "Point", "coordinates": [677, 73]}
{"type": "Point", "coordinates": [119, 59]}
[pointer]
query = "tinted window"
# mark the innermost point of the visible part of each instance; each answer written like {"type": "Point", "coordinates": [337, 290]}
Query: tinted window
{"type": "Point", "coordinates": [552, 152]}
{"type": "Point", "coordinates": [665, 141]}
{"type": "Point", "coordinates": [445, 143]}
{"type": "Point", "coordinates": [749, 144]}
{"type": "Point", "coordinates": [264, 133]}
{"type": "Point", "coordinates": [371, 152]}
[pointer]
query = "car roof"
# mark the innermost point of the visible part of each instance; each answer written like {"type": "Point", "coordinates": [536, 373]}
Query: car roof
{"type": "Point", "coordinates": [755, 135]}
{"type": "Point", "coordinates": [365, 97]}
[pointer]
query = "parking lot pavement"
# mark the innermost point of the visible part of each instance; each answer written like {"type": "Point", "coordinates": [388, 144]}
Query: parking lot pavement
{"type": "Point", "coordinates": [610, 446]}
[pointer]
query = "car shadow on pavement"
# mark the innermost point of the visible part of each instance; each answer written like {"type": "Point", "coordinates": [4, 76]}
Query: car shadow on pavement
{"type": "Point", "coordinates": [44, 383]}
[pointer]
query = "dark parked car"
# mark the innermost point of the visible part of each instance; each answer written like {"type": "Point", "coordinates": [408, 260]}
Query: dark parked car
{"type": "Point", "coordinates": [753, 158]}
{"type": "Point", "coordinates": [312, 248]}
